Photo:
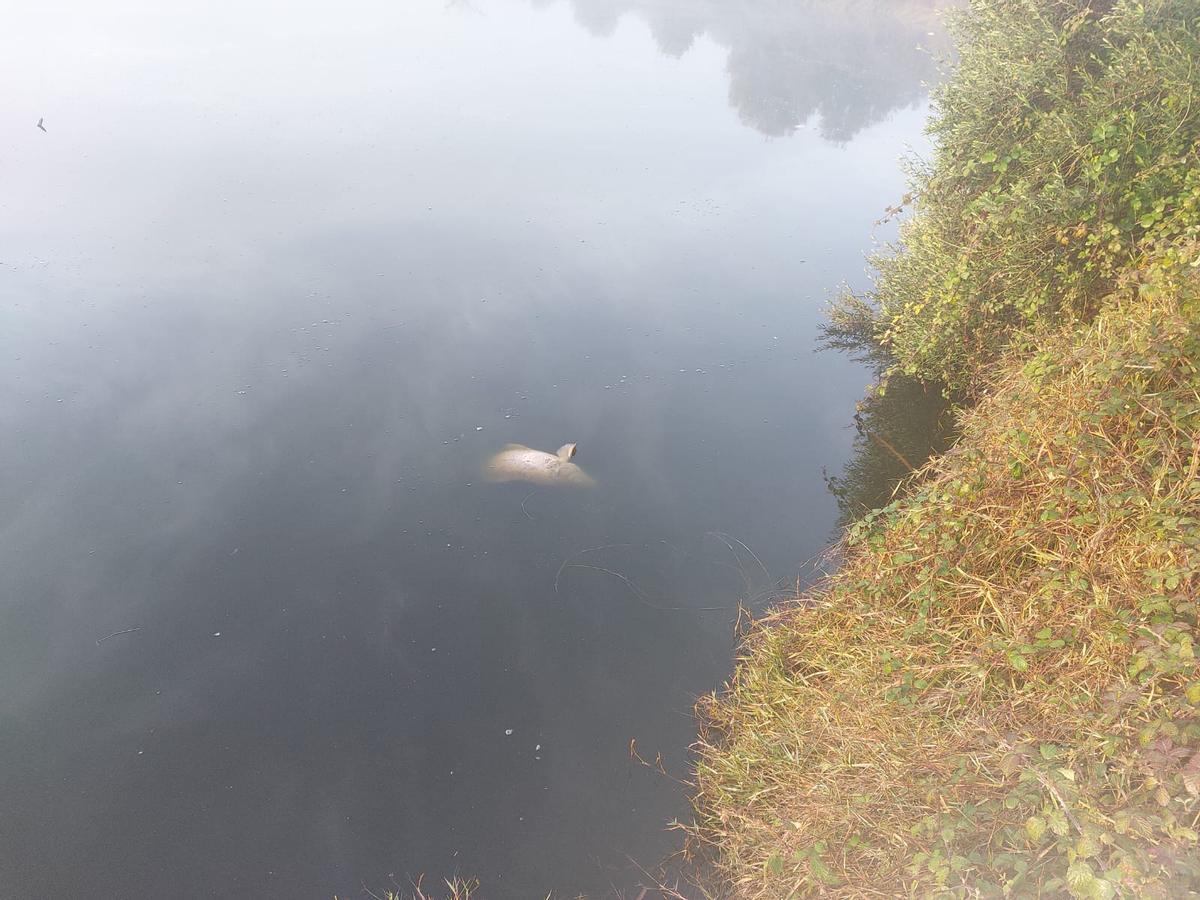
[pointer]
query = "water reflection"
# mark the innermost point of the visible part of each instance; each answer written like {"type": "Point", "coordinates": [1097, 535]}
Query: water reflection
{"type": "Point", "coordinates": [849, 62]}
{"type": "Point", "coordinates": [895, 433]}
{"type": "Point", "coordinates": [263, 281]}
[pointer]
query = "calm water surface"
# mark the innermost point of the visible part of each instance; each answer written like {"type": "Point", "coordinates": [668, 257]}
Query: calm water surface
{"type": "Point", "coordinates": [274, 282]}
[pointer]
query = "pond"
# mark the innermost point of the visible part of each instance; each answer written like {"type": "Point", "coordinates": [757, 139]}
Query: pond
{"type": "Point", "coordinates": [276, 280]}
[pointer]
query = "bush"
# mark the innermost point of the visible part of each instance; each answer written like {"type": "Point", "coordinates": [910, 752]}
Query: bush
{"type": "Point", "coordinates": [1068, 151]}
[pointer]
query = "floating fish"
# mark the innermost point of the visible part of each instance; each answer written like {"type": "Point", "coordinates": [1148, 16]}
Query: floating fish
{"type": "Point", "coordinates": [516, 462]}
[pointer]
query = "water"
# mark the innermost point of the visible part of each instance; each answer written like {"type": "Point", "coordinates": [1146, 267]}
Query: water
{"type": "Point", "coordinates": [275, 281]}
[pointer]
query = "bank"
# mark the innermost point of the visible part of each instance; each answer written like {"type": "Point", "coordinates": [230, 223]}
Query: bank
{"type": "Point", "coordinates": [997, 693]}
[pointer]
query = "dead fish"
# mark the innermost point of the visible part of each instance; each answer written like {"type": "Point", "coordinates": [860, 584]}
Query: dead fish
{"type": "Point", "coordinates": [516, 462]}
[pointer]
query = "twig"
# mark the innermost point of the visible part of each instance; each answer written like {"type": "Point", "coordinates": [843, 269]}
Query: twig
{"type": "Point", "coordinates": [115, 633]}
{"type": "Point", "coordinates": [567, 561]}
{"type": "Point", "coordinates": [729, 537]}
{"type": "Point", "coordinates": [887, 445]}
{"type": "Point", "coordinates": [641, 594]}
{"type": "Point", "coordinates": [661, 886]}
{"type": "Point", "coordinates": [657, 765]}
{"type": "Point", "coordinates": [1048, 785]}
{"type": "Point", "coordinates": [637, 592]}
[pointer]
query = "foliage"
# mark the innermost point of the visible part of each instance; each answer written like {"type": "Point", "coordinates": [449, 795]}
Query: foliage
{"type": "Point", "coordinates": [1068, 151]}
{"type": "Point", "coordinates": [998, 694]}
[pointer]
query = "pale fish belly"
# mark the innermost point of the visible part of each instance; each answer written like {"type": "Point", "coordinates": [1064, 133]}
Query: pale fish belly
{"type": "Point", "coordinates": [535, 467]}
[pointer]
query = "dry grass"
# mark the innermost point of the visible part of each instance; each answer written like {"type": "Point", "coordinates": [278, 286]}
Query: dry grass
{"type": "Point", "coordinates": [997, 693]}
{"type": "Point", "coordinates": [451, 889]}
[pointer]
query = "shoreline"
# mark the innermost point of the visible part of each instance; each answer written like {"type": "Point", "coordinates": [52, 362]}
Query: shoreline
{"type": "Point", "coordinates": [997, 693]}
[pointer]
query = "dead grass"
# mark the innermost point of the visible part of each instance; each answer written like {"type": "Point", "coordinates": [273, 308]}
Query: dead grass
{"type": "Point", "coordinates": [997, 693]}
{"type": "Point", "coordinates": [450, 889]}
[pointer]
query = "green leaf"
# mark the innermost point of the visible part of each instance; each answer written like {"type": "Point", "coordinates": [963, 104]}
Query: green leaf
{"type": "Point", "coordinates": [1035, 829]}
{"type": "Point", "coordinates": [1081, 879]}
{"type": "Point", "coordinates": [1088, 846]}
{"type": "Point", "coordinates": [1058, 823]}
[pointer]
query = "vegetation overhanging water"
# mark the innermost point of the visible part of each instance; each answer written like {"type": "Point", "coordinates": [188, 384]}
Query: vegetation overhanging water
{"type": "Point", "coordinates": [997, 693]}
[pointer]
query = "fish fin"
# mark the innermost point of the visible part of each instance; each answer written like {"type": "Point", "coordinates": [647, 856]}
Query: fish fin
{"type": "Point", "coordinates": [567, 451]}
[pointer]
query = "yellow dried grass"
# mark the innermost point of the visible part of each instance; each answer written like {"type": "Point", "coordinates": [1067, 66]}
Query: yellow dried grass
{"type": "Point", "coordinates": [1009, 646]}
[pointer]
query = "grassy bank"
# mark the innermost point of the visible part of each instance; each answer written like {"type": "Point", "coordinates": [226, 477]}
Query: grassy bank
{"type": "Point", "coordinates": [998, 692]}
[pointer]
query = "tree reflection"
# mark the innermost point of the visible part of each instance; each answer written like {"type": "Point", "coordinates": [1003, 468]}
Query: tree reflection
{"type": "Point", "coordinates": [849, 62]}
{"type": "Point", "coordinates": [897, 431]}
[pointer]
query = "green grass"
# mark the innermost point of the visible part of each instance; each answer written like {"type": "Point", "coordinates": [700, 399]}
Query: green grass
{"type": "Point", "coordinates": [998, 693]}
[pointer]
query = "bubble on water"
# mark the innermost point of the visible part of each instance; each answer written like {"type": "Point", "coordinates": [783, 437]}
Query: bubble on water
{"type": "Point", "coordinates": [508, 732]}
{"type": "Point", "coordinates": [479, 428]}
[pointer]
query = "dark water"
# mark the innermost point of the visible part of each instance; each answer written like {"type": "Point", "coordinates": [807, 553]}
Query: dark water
{"type": "Point", "coordinates": [274, 282]}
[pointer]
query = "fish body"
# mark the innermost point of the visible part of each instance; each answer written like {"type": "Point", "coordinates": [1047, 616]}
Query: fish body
{"type": "Point", "coordinates": [516, 462]}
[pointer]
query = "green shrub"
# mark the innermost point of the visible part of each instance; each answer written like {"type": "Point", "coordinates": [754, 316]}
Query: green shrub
{"type": "Point", "coordinates": [1068, 152]}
